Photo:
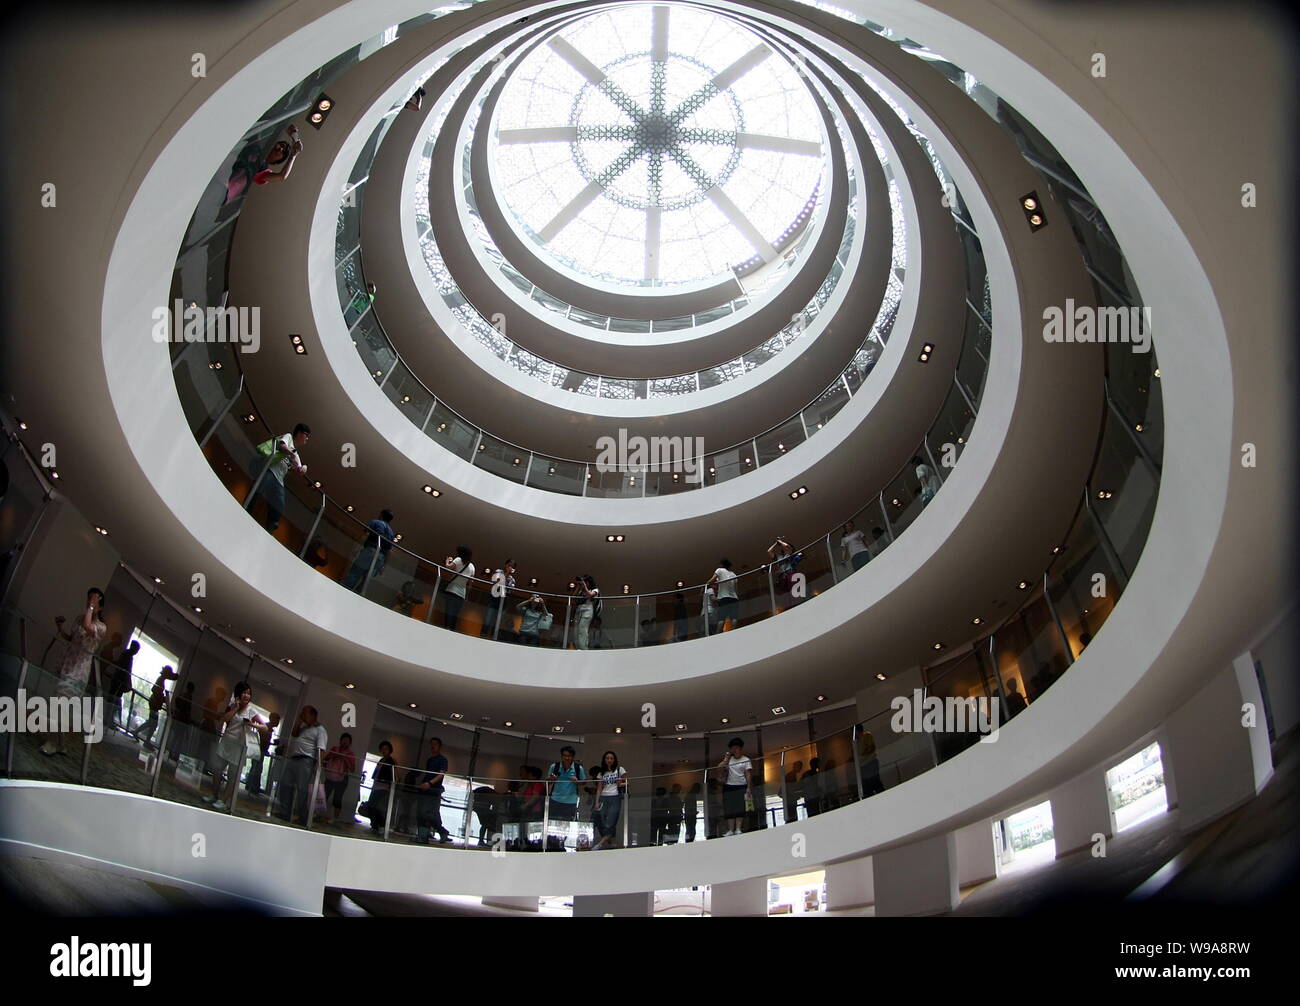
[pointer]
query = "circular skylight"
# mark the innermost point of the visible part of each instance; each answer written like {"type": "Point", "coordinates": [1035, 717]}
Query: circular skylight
{"type": "Point", "coordinates": [657, 146]}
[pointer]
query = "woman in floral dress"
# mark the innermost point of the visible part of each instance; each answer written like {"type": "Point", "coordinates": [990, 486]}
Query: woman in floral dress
{"type": "Point", "coordinates": [73, 670]}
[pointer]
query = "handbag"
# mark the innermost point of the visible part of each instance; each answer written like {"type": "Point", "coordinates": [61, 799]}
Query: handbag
{"type": "Point", "coordinates": [545, 621]}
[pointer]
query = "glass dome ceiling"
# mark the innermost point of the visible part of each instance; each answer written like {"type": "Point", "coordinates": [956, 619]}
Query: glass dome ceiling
{"type": "Point", "coordinates": [657, 146]}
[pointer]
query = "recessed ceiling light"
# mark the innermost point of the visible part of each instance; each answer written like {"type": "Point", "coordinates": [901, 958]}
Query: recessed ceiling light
{"type": "Point", "coordinates": [250, 418]}
{"type": "Point", "coordinates": [880, 676]}
{"type": "Point", "coordinates": [22, 425]}
{"type": "Point", "coordinates": [1029, 203]}
{"type": "Point", "coordinates": [248, 639]}
{"type": "Point", "coordinates": [54, 473]}
{"type": "Point", "coordinates": [821, 698]}
{"type": "Point", "coordinates": [681, 726]}
{"type": "Point", "coordinates": [1023, 585]}
{"type": "Point", "coordinates": [552, 470]}
{"type": "Point", "coordinates": [405, 399]}
{"type": "Point", "coordinates": [618, 730]}
{"type": "Point", "coordinates": [976, 620]}
{"type": "Point", "coordinates": [349, 508]}
{"type": "Point", "coordinates": [726, 719]}
{"type": "Point", "coordinates": [938, 646]}
{"type": "Point", "coordinates": [457, 716]}
{"type": "Point", "coordinates": [288, 660]}
{"type": "Point", "coordinates": [532, 582]}
{"type": "Point", "coordinates": [681, 583]}
{"type": "Point", "coordinates": [316, 484]}
{"type": "Point", "coordinates": [510, 723]}
{"type": "Point", "coordinates": [794, 496]}
{"type": "Point", "coordinates": [157, 580]}
{"type": "Point", "coordinates": [1157, 372]}
{"type": "Point", "coordinates": [398, 536]}
{"type": "Point", "coordinates": [410, 705]}
{"type": "Point", "coordinates": [197, 610]}
{"type": "Point", "coordinates": [557, 730]}
{"type": "Point", "coordinates": [803, 490]}
{"type": "Point", "coordinates": [349, 685]}
{"type": "Point", "coordinates": [627, 588]}
{"type": "Point", "coordinates": [1139, 427]}
{"type": "Point", "coordinates": [778, 710]}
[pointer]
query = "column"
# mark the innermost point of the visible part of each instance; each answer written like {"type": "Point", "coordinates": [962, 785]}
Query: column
{"type": "Point", "coordinates": [850, 884]}
{"type": "Point", "coordinates": [917, 879]}
{"type": "Point", "coordinates": [977, 859]}
{"type": "Point", "coordinates": [745, 898]}
{"type": "Point", "coordinates": [1219, 763]}
{"type": "Point", "coordinates": [1080, 811]}
{"type": "Point", "coordinates": [595, 906]}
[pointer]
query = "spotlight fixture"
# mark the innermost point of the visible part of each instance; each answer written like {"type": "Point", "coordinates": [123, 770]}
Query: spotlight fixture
{"type": "Point", "coordinates": [316, 484]}
{"type": "Point", "coordinates": [250, 418]}
{"type": "Point", "coordinates": [749, 461]}
{"type": "Point", "coordinates": [613, 537]}
{"type": "Point", "coordinates": [1156, 372]}
{"type": "Point", "coordinates": [516, 462]}
{"type": "Point", "coordinates": [557, 730]}
{"type": "Point", "coordinates": [725, 720]}
{"type": "Point", "coordinates": [197, 610]}
{"type": "Point", "coordinates": [102, 530]}
{"type": "Point", "coordinates": [509, 723]}
{"type": "Point", "coordinates": [482, 447]}
{"type": "Point", "coordinates": [1033, 211]}
{"type": "Point", "coordinates": [214, 365]}
{"type": "Point", "coordinates": [802, 490]}
{"type": "Point", "coordinates": [572, 585]}
{"type": "Point", "coordinates": [880, 676]}
{"type": "Point", "coordinates": [821, 698]}
{"type": "Point", "coordinates": [778, 710]}
{"type": "Point", "coordinates": [1023, 585]}
{"type": "Point", "coordinates": [349, 508]}
{"type": "Point", "coordinates": [398, 536]}
{"type": "Point", "coordinates": [157, 580]}
{"type": "Point", "coordinates": [442, 428]}
{"type": "Point", "coordinates": [22, 425]}
{"type": "Point", "coordinates": [405, 399]}
{"type": "Point", "coordinates": [320, 111]}
{"type": "Point", "coordinates": [1139, 427]}
{"type": "Point", "coordinates": [976, 620]}
{"type": "Point", "coordinates": [457, 716]}
{"type": "Point", "coordinates": [54, 473]}
{"type": "Point", "coordinates": [288, 660]}
{"type": "Point", "coordinates": [681, 583]}
{"type": "Point", "coordinates": [627, 589]}
{"type": "Point", "coordinates": [938, 646]}
{"type": "Point", "coordinates": [780, 447]}
{"type": "Point", "coordinates": [712, 471]}
{"type": "Point", "coordinates": [1102, 494]}
{"type": "Point", "coordinates": [926, 350]}
{"type": "Point", "coordinates": [681, 726]}
{"type": "Point", "coordinates": [618, 730]}
{"type": "Point", "coordinates": [248, 640]}
{"type": "Point", "coordinates": [532, 582]}
{"type": "Point", "coordinates": [794, 496]}
{"type": "Point", "coordinates": [428, 489]}
{"type": "Point", "coordinates": [349, 685]}
{"type": "Point", "coordinates": [551, 470]}
{"type": "Point", "coordinates": [410, 705]}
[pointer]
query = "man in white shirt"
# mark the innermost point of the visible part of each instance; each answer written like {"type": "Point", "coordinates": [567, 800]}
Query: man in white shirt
{"type": "Point", "coordinates": [727, 600]}
{"type": "Point", "coordinates": [308, 740]}
{"type": "Point", "coordinates": [462, 572]}
{"type": "Point", "coordinates": [277, 456]}
{"type": "Point", "coordinates": [853, 547]}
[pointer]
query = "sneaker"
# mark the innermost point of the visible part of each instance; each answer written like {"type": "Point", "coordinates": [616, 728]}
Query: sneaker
{"type": "Point", "coordinates": [207, 799]}
{"type": "Point", "coordinates": [218, 804]}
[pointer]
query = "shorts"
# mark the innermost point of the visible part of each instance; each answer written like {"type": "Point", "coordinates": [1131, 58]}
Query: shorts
{"type": "Point", "coordinates": [733, 801]}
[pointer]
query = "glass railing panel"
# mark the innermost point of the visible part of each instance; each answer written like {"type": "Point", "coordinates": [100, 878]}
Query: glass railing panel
{"type": "Point", "coordinates": [671, 324]}
{"type": "Point", "coordinates": [336, 543]}
{"type": "Point", "coordinates": [1072, 584]}
{"type": "Point", "coordinates": [961, 679]}
{"type": "Point", "coordinates": [948, 436]}
{"type": "Point", "coordinates": [668, 387]}
{"type": "Point", "coordinates": [577, 381]}
{"type": "Point", "coordinates": [859, 540]}
{"type": "Point", "coordinates": [614, 484]}
{"type": "Point", "coordinates": [517, 278]}
{"type": "Point", "coordinates": [864, 360]}
{"type": "Point", "coordinates": [589, 318]}
{"type": "Point", "coordinates": [347, 233]}
{"type": "Point", "coordinates": [827, 404]}
{"type": "Point", "coordinates": [1135, 390]}
{"type": "Point", "coordinates": [971, 369]}
{"type": "Point", "coordinates": [408, 394]}
{"type": "Point", "coordinates": [665, 483]}
{"type": "Point", "coordinates": [501, 458]}
{"type": "Point", "coordinates": [976, 272]}
{"type": "Point", "coordinates": [373, 346]}
{"type": "Point", "coordinates": [185, 775]}
{"type": "Point", "coordinates": [554, 475]}
{"type": "Point", "coordinates": [1123, 492]}
{"type": "Point", "coordinates": [776, 442]}
{"type": "Point", "coordinates": [553, 304]}
{"type": "Point", "coordinates": [622, 389]}
{"type": "Point", "coordinates": [206, 378]}
{"type": "Point", "coordinates": [630, 325]}
{"type": "Point", "coordinates": [1028, 651]}
{"type": "Point", "coordinates": [888, 758]}
{"type": "Point", "coordinates": [48, 655]}
{"type": "Point", "coordinates": [720, 374]}
{"type": "Point", "coordinates": [301, 503]}
{"type": "Point", "coordinates": [760, 355]}
{"type": "Point", "coordinates": [905, 497]}
{"type": "Point", "coordinates": [713, 314]}
{"type": "Point", "coordinates": [818, 560]}
{"type": "Point", "coordinates": [531, 365]}
{"type": "Point", "coordinates": [722, 466]}
{"type": "Point", "coordinates": [613, 628]}
{"type": "Point", "coordinates": [452, 432]}
{"type": "Point", "coordinates": [350, 285]}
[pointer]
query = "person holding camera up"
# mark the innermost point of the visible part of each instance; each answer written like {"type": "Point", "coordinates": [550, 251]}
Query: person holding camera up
{"type": "Point", "coordinates": [535, 618]}
{"type": "Point", "coordinates": [588, 596]}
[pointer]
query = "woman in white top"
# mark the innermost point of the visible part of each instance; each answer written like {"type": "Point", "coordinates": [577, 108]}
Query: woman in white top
{"type": "Point", "coordinates": [589, 600]}
{"type": "Point", "coordinates": [609, 798]}
{"type": "Point", "coordinates": [73, 671]}
{"type": "Point", "coordinates": [853, 547]}
{"type": "Point", "coordinates": [462, 571]}
{"type": "Point", "coordinates": [737, 786]}
{"type": "Point", "coordinates": [727, 600]}
{"type": "Point", "coordinates": [241, 723]}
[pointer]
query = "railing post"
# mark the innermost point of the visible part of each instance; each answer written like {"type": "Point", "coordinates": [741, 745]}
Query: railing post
{"type": "Point", "coordinates": [1065, 640]}
{"type": "Point", "coordinates": [9, 750]}
{"type": "Point", "coordinates": [239, 767]}
{"type": "Point", "coordinates": [704, 797]}
{"type": "Point", "coordinates": [704, 607]}
{"type": "Point", "coordinates": [428, 615]}
{"type": "Point", "coordinates": [771, 587]}
{"type": "Point", "coordinates": [636, 621]}
{"type": "Point", "coordinates": [889, 527]}
{"type": "Point", "coordinates": [311, 797]}
{"type": "Point", "coordinates": [257, 482]}
{"type": "Point", "coordinates": [99, 691]}
{"type": "Point", "coordinates": [626, 803]}
{"type": "Point", "coordinates": [830, 554]}
{"type": "Point", "coordinates": [311, 535]}
{"type": "Point", "coordinates": [392, 799]}
{"type": "Point", "coordinates": [167, 726]}
{"type": "Point", "coordinates": [374, 559]}
{"type": "Point", "coordinates": [568, 605]}
{"type": "Point", "coordinates": [857, 760]}
{"type": "Point", "coordinates": [784, 789]}
{"type": "Point", "coordinates": [469, 808]}
{"type": "Point", "coordinates": [501, 603]}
